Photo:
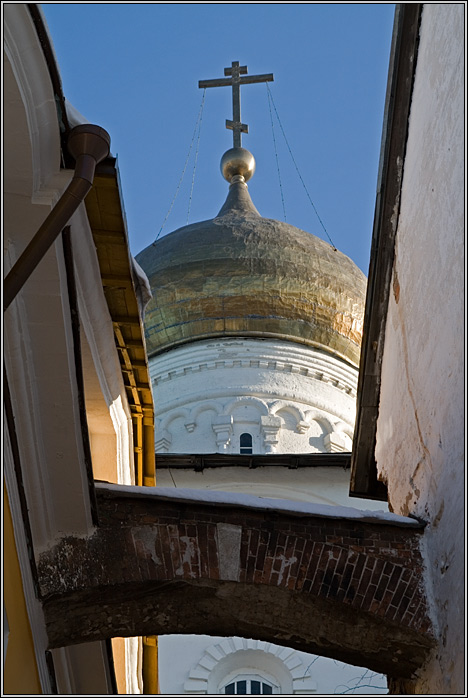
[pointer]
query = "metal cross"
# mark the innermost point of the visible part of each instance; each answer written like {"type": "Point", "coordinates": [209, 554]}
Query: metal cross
{"type": "Point", "coordinates": [235, 81]}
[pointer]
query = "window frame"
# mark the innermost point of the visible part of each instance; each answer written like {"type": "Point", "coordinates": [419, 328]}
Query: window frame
{"type": "Point", "coordinates": [248, 678]}
{"type": "Point", "coordinates": [246, 449]}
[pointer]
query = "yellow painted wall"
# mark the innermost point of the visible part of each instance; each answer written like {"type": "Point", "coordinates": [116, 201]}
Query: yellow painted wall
{"type": "Point", "coordinates": [150, 665]}
{"type": "Point", "coordinates": [118, 655]}
{"type": "Point", "coordinates": [20, 671]}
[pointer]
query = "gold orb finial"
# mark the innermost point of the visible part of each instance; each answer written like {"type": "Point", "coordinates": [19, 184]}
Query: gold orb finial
{"type": "Point", "coordinates": [237, 161]}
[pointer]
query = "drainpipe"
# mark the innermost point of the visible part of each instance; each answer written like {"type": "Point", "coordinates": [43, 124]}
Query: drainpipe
{"type": "Point", "coordinates": [89, 145]}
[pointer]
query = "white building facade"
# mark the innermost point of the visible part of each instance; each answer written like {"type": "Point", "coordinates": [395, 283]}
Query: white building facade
{"type": "Point", "coordinates": [285, 397]}
{"type": "Point", "coordinates": [421, 424]}
{"type": "Point", "coordinates": [253, 336]}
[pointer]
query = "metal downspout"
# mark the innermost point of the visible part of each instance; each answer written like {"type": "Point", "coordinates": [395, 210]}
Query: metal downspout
{"type": "Point", "coordinates": [89, 145]}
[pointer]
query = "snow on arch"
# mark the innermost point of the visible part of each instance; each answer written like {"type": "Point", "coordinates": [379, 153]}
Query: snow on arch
{"type": "Point", "coordinates": [235, 654]}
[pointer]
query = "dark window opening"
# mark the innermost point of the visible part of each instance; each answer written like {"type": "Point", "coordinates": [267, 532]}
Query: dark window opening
{"type": "Point", "coordinates": [248, 687]}
{"type": "Point", "coordinates": [245, 443]}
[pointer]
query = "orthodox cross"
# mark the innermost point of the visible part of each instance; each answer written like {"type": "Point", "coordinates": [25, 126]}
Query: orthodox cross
{"type": "Point", "coordinates": [235, 81]}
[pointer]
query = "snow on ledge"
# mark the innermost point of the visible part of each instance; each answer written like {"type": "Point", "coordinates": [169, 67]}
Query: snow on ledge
{"type": "Point", "coordinates": [248, 501]}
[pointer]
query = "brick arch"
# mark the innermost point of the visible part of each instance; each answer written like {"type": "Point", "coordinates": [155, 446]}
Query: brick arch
{"type": "Point", "coordinates": [321, 580]}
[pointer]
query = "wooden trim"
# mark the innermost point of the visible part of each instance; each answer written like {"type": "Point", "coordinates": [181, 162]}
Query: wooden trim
{"type": "Point", "coordinates": [364, 479]}
{"type": "Point", "coordinates": [199, 462]}
{"type": "Point", "coordinates": [104, 207]}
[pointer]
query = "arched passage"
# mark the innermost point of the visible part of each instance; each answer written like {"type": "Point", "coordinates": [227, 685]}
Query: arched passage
{"type": "Point", "coordinates": [322, 580]}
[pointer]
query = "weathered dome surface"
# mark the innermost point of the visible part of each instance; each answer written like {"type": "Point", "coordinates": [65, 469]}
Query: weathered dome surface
{"type": "Point", "coordinates": [243, 275]}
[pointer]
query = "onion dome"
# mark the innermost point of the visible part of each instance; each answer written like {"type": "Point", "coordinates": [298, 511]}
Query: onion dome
{"type": "Point", "coordinates": [242, 275]}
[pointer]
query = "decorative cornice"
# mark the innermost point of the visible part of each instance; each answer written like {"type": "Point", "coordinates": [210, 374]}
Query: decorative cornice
{"type": "Point", "coordinates": [281, 357]}
{"type": "Point", "coordinates": [279, 366]}
{"type": "Point", "coordinates": [316, 409]}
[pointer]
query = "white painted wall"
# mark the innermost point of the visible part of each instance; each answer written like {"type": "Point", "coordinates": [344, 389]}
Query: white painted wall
{"type": "Point", "coordinates": [290, 398]}
{"type": "Point", "coordinates": [318, 485]}
{"type": "Point", "coordinates": [38, 347]}
{"type": "Point", "coordinates": [202, 665]}
{"type": "Point", "coordinates": [420, 430]}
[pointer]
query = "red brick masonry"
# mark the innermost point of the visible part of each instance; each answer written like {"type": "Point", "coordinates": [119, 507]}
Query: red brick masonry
{"type": "Point", "coordinates": [345, 588]}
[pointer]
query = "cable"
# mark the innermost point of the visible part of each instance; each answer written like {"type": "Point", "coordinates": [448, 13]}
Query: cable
{"type": "Point", "coordinates": [276, 152]}
{"type": "Point", "coordinates": [196, 155]}
{"type": "Point", "coordinates": [185, 167]}
{"type": "Point", "coordinates": [297, 170]}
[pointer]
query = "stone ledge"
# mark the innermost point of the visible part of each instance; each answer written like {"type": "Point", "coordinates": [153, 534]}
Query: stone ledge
{"type": "Point", "coordinates": [246, 501]}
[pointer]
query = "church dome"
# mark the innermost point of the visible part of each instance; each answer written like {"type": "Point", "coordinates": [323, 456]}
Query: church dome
{"type": "Point", "coordinates": [242, 275]}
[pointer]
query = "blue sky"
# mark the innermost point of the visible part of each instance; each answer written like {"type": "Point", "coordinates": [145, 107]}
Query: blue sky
{"type": "Point", "coordinates": [133, 68]}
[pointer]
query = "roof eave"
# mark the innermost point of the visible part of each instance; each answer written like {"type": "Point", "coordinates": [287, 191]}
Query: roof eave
{"type": "Point", "coordinates": [402, 68]}
{"type": "Point", "coordinates": [107, 220]}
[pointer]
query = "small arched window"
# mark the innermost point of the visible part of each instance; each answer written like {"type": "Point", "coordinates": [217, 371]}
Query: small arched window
{"type": "Point", "coordinates": [249, 685]}
{"type": "Point", "coordinates": [245, 443]}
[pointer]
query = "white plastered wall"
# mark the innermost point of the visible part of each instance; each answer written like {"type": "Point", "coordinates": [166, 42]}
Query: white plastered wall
{"type": "Point", "coordinates": [38, 343]}
{"type": "Point", "coordinates": [108, 413]}
{"type": "Point", "coordinates": [290, 398]}
{"type": "Point", "coordinates": [37, 331]}
{"type": "Point", "coordinates": [317, 485]}
{"type": "Point", "coordinates": [421, 418]}
{"type": "Point", "coordinates": [203, 665]}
